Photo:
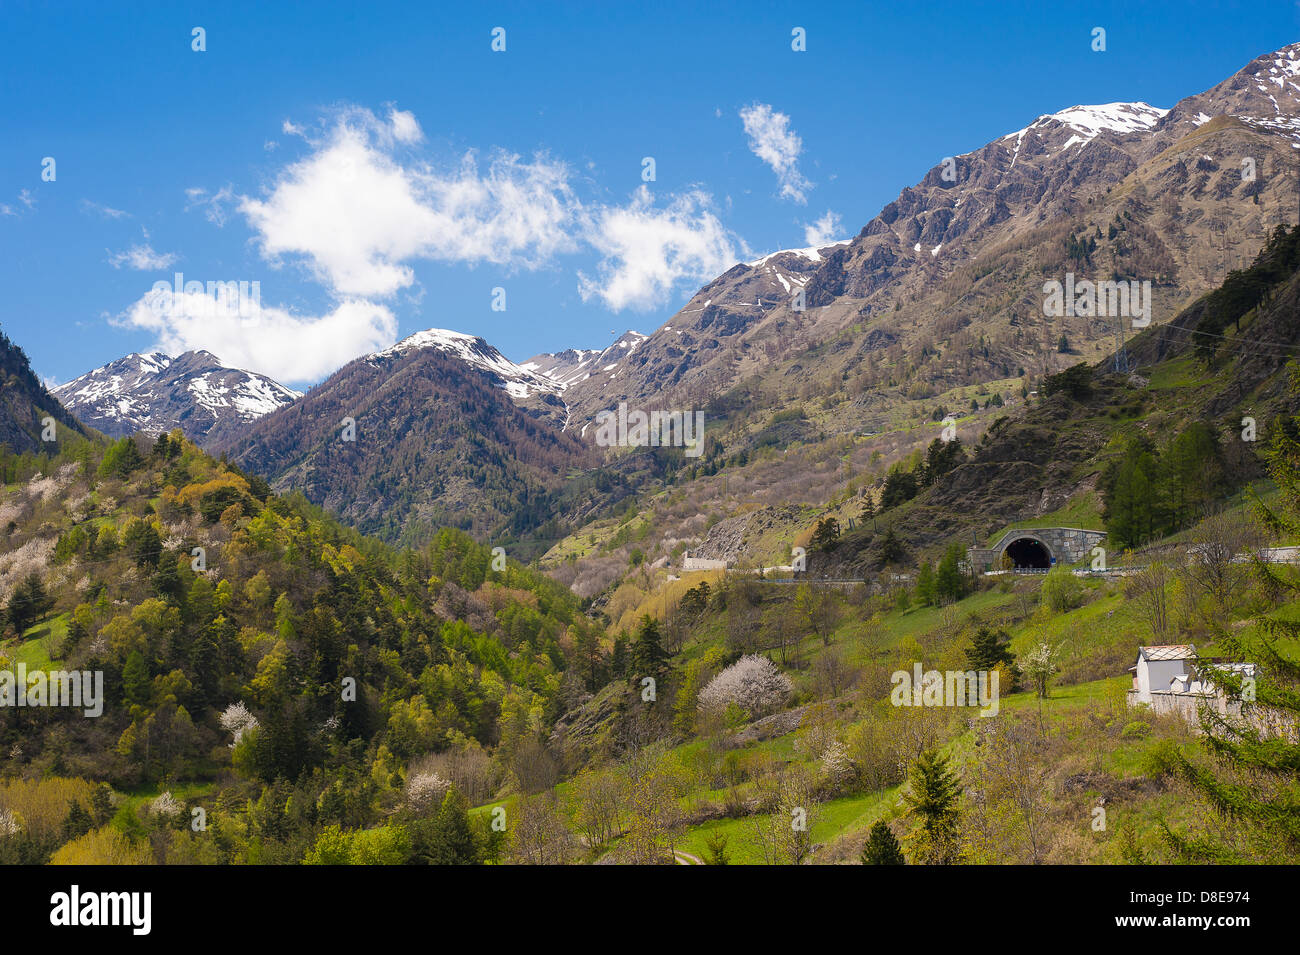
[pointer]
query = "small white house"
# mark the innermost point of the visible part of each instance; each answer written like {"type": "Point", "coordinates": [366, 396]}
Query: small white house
{"type": "Point", "coordinates": [1168, 679]}
{"type": "Point", "coordinates": [1158, 668]}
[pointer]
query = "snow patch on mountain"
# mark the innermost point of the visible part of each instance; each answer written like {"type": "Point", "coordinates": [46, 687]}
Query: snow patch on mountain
{"type": "Point", "coordinates": [1086, 123]}
{"type": "Point", "coordinates": [520, 381]}
{"type": "Point", "coordinates": [812, 255]}
{"type": "Point", "coordinates": [578, 364]}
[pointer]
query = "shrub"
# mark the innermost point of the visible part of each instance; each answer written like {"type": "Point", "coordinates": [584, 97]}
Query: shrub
{"type": "Point", "coordinates": [1138, 729]}
{"type": "Point", "coordinates": [1062, 590]}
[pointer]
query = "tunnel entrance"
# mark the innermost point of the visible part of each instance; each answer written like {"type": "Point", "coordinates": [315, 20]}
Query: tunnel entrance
{"type": "Point", "coordinates": [1027, 552]}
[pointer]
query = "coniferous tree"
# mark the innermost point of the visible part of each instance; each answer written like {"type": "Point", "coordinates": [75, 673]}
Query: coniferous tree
{"type": "Point", "coordinates": [1193, 465]}
{"type": "Point", "coordinates": [715, 850]}
{"type": "Point", "coordinates": [882, 847]}
{"type": "Point", "coordinates": [932, 797]}
{"type": "Point", "coordinates": [135, 679]}
{"type": "Point", "coordinates": [618, 657]}
{"type": "Point", "coordinates": [925, 585]}
{"type": "Point", "coordinates": [28, 603]}
{"type": "Point", "coordinates": [868, 510]}
{"type": "Point", "coordinates": [989, 649]}
{"type": "Point", "coordinates": [891, 548]}
{"type": "Point", "coordinates": [451, 839]}
{"type": "Point", "coordinates": [826, 536]}
{"type": "Point", "coordinates": [1132, 498]}
{"type": "Point", "coordinates": [949, 581]}
{"type": "Point", "coordinates": [648, 656]}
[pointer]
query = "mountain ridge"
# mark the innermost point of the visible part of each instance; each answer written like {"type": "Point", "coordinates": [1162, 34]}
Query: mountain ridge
{"type": "Point", "coordinates": [154, 393]}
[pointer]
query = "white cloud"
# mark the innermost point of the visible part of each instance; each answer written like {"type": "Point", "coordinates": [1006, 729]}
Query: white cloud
{"type": "Point", "coordinates": [106, 212]}
{"type": "Point", "coordinates": [289, 348]}
{"type": "Point", "coordinates": [772, 140]}
{"type": "Point", "coordinates": [822, 233]}
{"type": "Point", "coordinates": [405, 128]}
{"type": "Point", "coordinates": [142, 258]}
{"type": "Point", "coordinates": [213, 204]}
{"type": "Point", "coordinates": [647, 252]}
{"type": "Point", "coordinates": [25, 197]}
{"type": "Point", "coordinates": [359, 216]}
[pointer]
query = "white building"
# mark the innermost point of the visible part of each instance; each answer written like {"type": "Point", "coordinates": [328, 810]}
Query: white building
{"type": "Point", "coordinates": [1157, 669]}
{"type": "Point", "coordinates": [702, 563]}
{"type": "Point", "coordinates": [1169, 680]}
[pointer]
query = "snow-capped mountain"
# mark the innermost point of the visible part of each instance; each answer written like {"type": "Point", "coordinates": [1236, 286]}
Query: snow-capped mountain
{"type": "Point", "coordinates": [519, 381]}
{"type": "Point", "coordinates": [154, 393]}
{"type": "Point", "coordinates": [1166, 179]}
{"type": "Point", "coordinates": [535, 393]}
{"type": "Point", "coordinates": [448, 433]}
{"type": "Point", "coordinates": [578, 364]}
{"type": "Point", "coordinates": [641, 369]}
{"type": "Point", "coordinates": [1084, 123]}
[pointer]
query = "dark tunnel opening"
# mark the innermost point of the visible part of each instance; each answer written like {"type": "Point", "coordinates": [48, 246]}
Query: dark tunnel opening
{"type": "Point", "coordinates": [1027, 552]}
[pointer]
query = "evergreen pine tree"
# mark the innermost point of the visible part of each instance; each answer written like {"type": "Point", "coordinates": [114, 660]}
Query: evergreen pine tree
{"type": "Point", "coordinates": [452, 840]}
{"type": "Point", "coordinates": [618, 657]}
{"type": "Point", "coordinates": [949, 581]}
{"type": "Point", "coordinates": [1132, 512]}
{"type": "Point", "coordinates": [891, 548]}
{"type": "Point", "coordinates": [925, 585]}
{"type": "Point", "coordinates": [989, 649]}
{"type": "Point", "coordinates": [882, 847]}
{"type": "Point", "coordinates": [826, 535]}
{"type": "Point", "coordinates": [648, 656]}
{"type": "Point", "coordinates": [715, 850]}
{"type": "Point", "coordinates": [931, 798]}
{"type": "Point", "coordinates": [28, 603]}
{"type": "Point", "coordinates": [868, 510]}
{"type": "Point", "coordinates": [135, 679]}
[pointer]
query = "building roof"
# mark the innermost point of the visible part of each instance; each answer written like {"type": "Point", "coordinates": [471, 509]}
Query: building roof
{"type": "Point", "coordinates": [1168, 652]}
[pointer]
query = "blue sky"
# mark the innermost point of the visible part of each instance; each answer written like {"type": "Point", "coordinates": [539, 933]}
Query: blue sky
{"type": "Point", "coordinates": [379, 169]}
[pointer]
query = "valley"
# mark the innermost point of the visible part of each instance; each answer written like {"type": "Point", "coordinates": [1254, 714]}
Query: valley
{"type": "Point", "coordinates": [870, 553]}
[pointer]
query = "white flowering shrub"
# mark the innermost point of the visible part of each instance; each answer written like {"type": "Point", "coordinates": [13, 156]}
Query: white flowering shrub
{"type": "Point", "coordinates": [425, 790]}
{"type": "Point", "coordinates": [237, 720]}
{"type": "Point", "coordinates": [166, 806]}
{"type": "Point", "coordinates": [9, 823]}
{"type": "Point", "coordinates": [753, 683]}
{"type": "Point", "coordinates": [836, 764]}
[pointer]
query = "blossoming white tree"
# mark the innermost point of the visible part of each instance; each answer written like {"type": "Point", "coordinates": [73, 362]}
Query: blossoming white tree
{"type": "Point", "coordinates": [10, 824]}
{"type": "Point", "coordinates": [236, 719]}
{"type": "Point", "coordinates": [425, 790]}
{"type": "Point", "coordinates": [166, 805]}
{"type": "Point", "coordinates": [753, 683]}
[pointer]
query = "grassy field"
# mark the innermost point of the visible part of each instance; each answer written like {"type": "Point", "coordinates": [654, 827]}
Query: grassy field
{"type": "Point", "coordinates": [37, 642]}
